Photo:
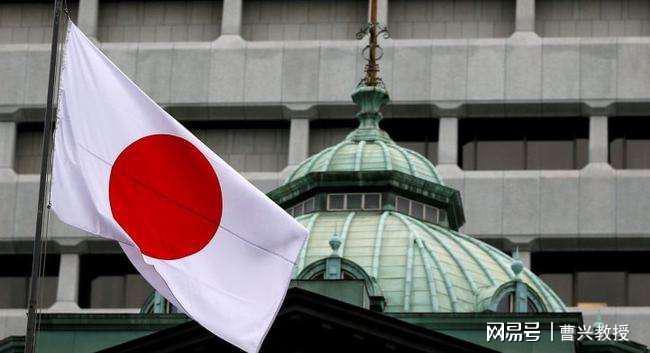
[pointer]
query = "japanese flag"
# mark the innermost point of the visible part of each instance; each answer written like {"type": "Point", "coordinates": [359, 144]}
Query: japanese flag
{"type": "Point", "coordinates": [199, 233]}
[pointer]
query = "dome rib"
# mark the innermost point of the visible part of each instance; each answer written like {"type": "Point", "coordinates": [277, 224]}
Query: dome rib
{"type": "Point", "coordinates": [408, 280]}
{"type": "Point", "coordinates": [490, 253]}
{"type": "Point", "coordinates": [379, 235]}
{"type": "Point", "coordinates": [317, 157]}
{"type": "Point", "coordinates": [497, 255]}
{"type": "Point", "coordinates": [353, 155]}
{"type": "Point", "coordinates": [387, 159]}
{"type": "Point", "coordinates": [547, 293]}
{"type": "Point", "coordinates": [307, 164]}
{"type": "Point", "coordinates": [470, 279]}
{"type": "Point", "coordinates": [433, 292]}
{"type": "Point", "coordinates": [303, 251]}
{"type": "Point", "coordinates": [427, 163]}
{"type": "Point", "coordinates": [358, 156]}
{"type": "Point", "coordinates": [441, 269]}
{"type": "Point", "coordinates": [443, 272]}
{"type": "Point", "coordinates": [478, 263]}
{"type": "Point", "coordinates": [553, 295]}
{"type": "Point", "coordinates": [541, 286]}
{"type": "Point", "coordinates": [332, 154]}
{"type": "Point", "coordinates": [406, 158]}
{"type": "Point", "coordinates": [344, 232]}
{"type": "Point", "coordinates": [419, 252]}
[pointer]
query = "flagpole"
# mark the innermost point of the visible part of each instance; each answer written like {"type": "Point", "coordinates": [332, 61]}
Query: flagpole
{"type": "Point", "coordinates": [30, 337]}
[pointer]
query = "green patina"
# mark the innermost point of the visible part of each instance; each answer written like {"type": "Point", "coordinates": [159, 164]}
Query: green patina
{"type": "Point", "coordinates": [425, 274]}
{"type": "Point", "coordinates": [418, 266]}
{"type": "Point", "coordinates": [368, 148]}
{"type": "Point", "coordinates": [446, 266]}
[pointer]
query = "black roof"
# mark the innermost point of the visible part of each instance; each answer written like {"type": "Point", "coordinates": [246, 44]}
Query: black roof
{"type": "Point", "coordinates": [314, 323]}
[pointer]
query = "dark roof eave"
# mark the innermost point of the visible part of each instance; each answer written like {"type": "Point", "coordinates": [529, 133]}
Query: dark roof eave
{"type": "Point", "coordinates": [422, 190]}
{"type": "Point", "coordinates": [332, 313]}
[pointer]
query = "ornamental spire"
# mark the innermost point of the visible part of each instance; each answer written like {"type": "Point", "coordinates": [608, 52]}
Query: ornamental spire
{"type": "Point", "coordinates": [372, 52]}
{"type": "Point", "coordinates": [370, 94]}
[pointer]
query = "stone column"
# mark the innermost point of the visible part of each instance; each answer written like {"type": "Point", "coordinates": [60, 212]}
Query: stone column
{"type": "Point", "coordinates": [7, 144]}
{"type": "Point", "coordinates": [525, 16]}
{"type": "Point", "coordinates": [448, 141]}
{"type": "Point", "coordinates": [598, 139]}
{"type": "Point", "coordinates": [231, 17]}
{"type": "Point", "coordinates": [68, 287]}
{"type": "Point", "coordinates": [298, 141]}
{"type": "Point", "coordinates": [88, 17]}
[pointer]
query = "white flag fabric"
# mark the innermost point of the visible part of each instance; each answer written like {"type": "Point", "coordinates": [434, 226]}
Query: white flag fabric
{"type": "Point", "coordinates": [198, 232]}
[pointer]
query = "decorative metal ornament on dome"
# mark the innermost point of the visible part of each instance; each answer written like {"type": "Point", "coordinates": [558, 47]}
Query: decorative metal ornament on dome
{"type": "Point", "coordinates": [372, 52]}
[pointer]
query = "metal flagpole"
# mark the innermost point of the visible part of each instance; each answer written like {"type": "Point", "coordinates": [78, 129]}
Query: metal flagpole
{"type": "Point", "coordinates": [30, 338]}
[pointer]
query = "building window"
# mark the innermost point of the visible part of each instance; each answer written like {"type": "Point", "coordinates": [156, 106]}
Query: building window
{"type": "Point", "coordinates": [354, 201]}
{"type": "Point", "coordinates": [159, 21]}
{"type": "Point", "coordinates": [15, 274]}
{"type": "Point", "coordinates": [264, 20]}
{"type": "Point", "coordinates": [629, 144]}
{"type": "Point", "coordinates": [372, 201]}
{"type": "Point", "coordinates": [29, 21]}
{"type": "Point", "coordinates": [447, 19]}
{"type": "Point", "coordinates": [307, 206]}
{"type": "Point", "coordinates": [326, 133]}
{"type": "Point", "coordinates": [336, 202]}
{"type": "Point", "coordinates": [110, 281]}
{"type": "Point", "coordinates": [596, 278]}
{"type": "Point", "coordinates": [419, 210]}
{"type": "Point", "coordinates": [573, 18]}
{"type": "Point", "coordinates": [403, 205]}
{"type": "Point", "coordinates": [523, 144]}
{"type": "Point", "coordinates": [29, 141]}
{"type": "Point", "coordinates": [419, 135]}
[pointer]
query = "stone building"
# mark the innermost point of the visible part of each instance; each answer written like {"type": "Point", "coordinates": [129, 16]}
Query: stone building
{"type": "Point", "coordinates": [536, 112]}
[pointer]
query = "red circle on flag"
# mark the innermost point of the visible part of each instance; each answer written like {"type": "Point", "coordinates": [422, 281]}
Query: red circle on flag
{"type": "Point", "coordinates": [166, 195]}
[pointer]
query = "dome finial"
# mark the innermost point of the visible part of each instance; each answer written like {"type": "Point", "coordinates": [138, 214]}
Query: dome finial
{"type": "Point", "coordinates": [517, 266]}
{"type": "Point", "coordinates": [599, 323]}
{"type": "Point", "coordinates": [372, 52]}
{"type": "Point", "coordinates": [335, 243]}
{"type": "Point", "coordinates": [370, 94]}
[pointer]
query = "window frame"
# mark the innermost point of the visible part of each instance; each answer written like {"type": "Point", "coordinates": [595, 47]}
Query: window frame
{"type": "Point", "coordinates": [345, 201]}
{"type": "Point", "coordinates": [436, 211]}
{"type": "Point", "coordinates": [329, 202]}
{"type": "Point", "coordinates": [363, 201]}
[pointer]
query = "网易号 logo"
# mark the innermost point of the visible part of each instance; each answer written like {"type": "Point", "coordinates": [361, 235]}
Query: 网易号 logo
{"type": "Point", "coordinates": [531, 332]}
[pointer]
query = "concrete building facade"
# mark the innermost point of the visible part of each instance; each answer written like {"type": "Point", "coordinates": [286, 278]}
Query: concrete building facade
{"type": "Point", "coordinates": [536, 111]}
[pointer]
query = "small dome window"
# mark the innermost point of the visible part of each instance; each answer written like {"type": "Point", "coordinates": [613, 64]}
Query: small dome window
{"type": "Point", "coordinates": [354, 201]}
{"type": "Point", "coordinates": [506, 304]}
{"type": "Point", "coordinates": [344, 275]}
{"type": "Point", "coordinates": [307, 206]}
{"type": "Point", "coordinates": [420, 211]}
{"type": "Point", "coordinates": [505, 299]}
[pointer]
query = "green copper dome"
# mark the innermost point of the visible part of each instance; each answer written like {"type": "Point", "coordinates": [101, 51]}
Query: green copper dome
{"type": "Point", "coordinates": [368, 148]}
{"type": "Point", "coordinates": [419, 266]}
{"type": "Point", "coordinates": [379, 212]}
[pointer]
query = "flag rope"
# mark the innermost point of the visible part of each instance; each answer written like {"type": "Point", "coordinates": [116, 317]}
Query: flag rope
{"type": "Point", "coordinates": [39, 253]}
